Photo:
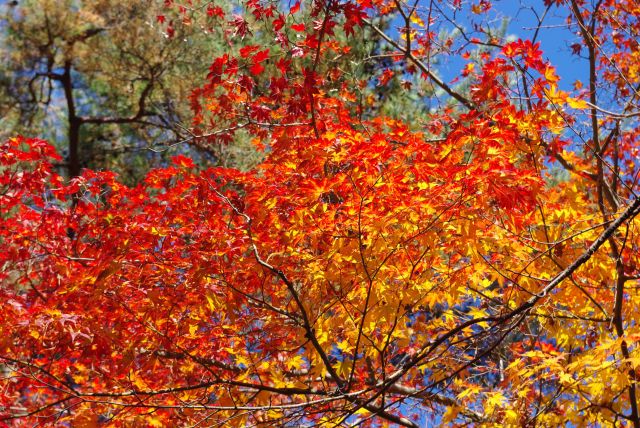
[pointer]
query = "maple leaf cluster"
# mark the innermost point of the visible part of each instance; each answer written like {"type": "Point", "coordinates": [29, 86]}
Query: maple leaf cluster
{"type": "Point", "coordinates": [480, 266]}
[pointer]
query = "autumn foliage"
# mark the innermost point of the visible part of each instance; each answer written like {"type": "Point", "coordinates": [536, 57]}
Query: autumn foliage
{"type": "Point", "coordinates": [478, 268]}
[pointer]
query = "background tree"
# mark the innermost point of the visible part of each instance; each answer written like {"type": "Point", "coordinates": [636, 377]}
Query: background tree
{"type": "Point", "coordinates": [103, 79]}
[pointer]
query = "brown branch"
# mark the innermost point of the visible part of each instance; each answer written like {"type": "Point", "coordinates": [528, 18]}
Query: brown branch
{"type": "Point", "coordinates": [422, 66]}
{"type": "Point", "coordinates": [436, 398]}
{"type": "Point", "coordinates": [172, 355]}
{"type": "Point", "coordinates": [139, 114]}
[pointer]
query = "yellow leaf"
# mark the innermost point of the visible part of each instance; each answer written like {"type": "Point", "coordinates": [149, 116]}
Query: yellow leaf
{"type": "Point", "coordinates": [295, 363]}
{"type": "Point", "coordinates": [155, 231]}
{"type": "Point", "coordinates": [155, 422]}
{"type": "Point", "coordinates": [415, 19]}
{"type": "Point", "coordinates": [494, 400]}
{"type": "Point", "coordinates": [576, 103]}
{"type": "Point", "coordinates": [511, 417]}
{"type": "Point", "coordinates": [550, 74]}
{"type": "Point", "coordinates": [211, 301]}
{"type": "Point", "coordinates": [470, 391]}
{"type": "Point", "coordinates": [193, 328]}
{"type": "Point", "coordinates": [343, 368]}
{"type": "Point", "coordinates": [555, 96]}
{"type": "Point", "coordinates": [137, 381]}
{"type": "Point", "coordinates": [344, 346]}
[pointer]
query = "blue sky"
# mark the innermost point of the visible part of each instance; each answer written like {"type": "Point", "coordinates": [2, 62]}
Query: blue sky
{"type": "Point", "coordinates": [555, 37]}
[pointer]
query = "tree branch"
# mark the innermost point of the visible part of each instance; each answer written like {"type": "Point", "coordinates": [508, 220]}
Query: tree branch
{"type": "Point", "coordinates": [422, 66]}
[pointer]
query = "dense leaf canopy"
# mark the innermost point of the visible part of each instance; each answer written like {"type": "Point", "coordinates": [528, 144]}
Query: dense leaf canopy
{"type": "Point", "coordinates": [475, 262]}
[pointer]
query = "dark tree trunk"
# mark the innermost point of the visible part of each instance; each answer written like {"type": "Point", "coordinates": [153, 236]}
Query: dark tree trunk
{"type": "Point", "coordinates": [73, 122]}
